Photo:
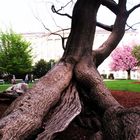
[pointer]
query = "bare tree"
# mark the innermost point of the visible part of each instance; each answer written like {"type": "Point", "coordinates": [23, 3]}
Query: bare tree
{"type": "Point", "coordinates": [73, 91]}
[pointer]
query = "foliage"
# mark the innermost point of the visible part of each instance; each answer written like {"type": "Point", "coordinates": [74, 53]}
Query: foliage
{"type": "Point", "coordinates": [15, 54]}
{"type": "Point", "coordinates": [42, 67]}
{"type": "Point", "coordinates": [122, 59]}
{"type": "Point", "coordinates": [136, 53]}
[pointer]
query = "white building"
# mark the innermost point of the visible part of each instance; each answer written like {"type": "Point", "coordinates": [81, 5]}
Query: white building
{"type": "Point", "coordinates": [45, 46]}
{"type": "Point", "coordinates": [130, 38]}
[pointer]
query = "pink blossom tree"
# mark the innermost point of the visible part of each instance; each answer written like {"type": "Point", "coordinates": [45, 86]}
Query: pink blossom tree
{"type": "Point", "coordinates": [122, 59]}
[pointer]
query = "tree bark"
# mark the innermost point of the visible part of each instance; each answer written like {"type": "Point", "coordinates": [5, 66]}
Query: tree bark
{"type": "Point", "coordinates": [27, 112]}
{"type": "Point", "coordinates": [73, 91]}
{"type": "Point", "coordinates": [128, 74]}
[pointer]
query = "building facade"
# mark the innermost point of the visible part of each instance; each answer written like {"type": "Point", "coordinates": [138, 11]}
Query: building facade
{"type": "Point", "coordinates": [46, 46]}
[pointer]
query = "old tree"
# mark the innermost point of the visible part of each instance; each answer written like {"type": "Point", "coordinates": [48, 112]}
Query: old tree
{"type": "Point", "coordinates": [73, 94]}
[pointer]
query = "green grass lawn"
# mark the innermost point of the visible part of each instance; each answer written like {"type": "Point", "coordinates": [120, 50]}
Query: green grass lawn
{"type": "Point", "coordinates": [3, 87]}
{"type": "Point", "coordinates": [123, 85]}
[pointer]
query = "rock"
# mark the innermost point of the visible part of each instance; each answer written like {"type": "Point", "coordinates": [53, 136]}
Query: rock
{"type": "Point", "coordinates": [18, 88]}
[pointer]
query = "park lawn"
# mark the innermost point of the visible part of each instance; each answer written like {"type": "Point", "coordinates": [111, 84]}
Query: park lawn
{"type": "Point", "coordinates": [3, 87]}
{"type": "Point", "coordinates": [123, 85]}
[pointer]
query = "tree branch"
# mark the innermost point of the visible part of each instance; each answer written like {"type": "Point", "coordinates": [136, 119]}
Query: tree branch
{"type": "Point", "coordinates": [117, 33]}
{"type": "Point", "coordinates": [58, 11]}
{"type": "Point", "coordinates": [111, 4]}
{"type": "Point", "coordinates": [134, 8]}
{"type": "Point", "coordinates": [130, 27]}
{"type": "Point", "coordinates": [54, 33]}
{"type": "Point", "coordinates": [103, 26]}
{"type": "Point", "coordinates": [62, 37]}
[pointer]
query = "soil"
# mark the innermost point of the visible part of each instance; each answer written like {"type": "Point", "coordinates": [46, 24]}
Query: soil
{"type": "Point", "coordinates": [135, 82]}
{"type": "Point", "coordinates": [127, 99]}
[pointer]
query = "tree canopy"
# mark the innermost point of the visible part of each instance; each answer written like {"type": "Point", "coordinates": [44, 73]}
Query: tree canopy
{"type": "Point", "coordinates": [15, 54]}
{"type": "Point", "coordinates": [136, 53]}
{"type": "Point", "coordinates": [122, 59]}
{"type": "Point", "coordinates": [42, 67]}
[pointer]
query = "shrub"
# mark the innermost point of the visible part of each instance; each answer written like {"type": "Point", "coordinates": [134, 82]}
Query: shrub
{"type": "Point", "coordinates": [42, 67]}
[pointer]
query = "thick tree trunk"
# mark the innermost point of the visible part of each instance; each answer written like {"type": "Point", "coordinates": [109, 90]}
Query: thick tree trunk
{"type": "Point", "coordinates": [27, 112]}
{"type": "Point", "coordinates": [128, 74]}
{"type": "Point", "coordinates": [74, 88]}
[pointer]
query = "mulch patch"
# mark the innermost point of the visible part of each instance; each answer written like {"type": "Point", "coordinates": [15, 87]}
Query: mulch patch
{"type": "Point", "coordinates": [127, 99]}
{"type": "Point", "coordinates": [135, 83]}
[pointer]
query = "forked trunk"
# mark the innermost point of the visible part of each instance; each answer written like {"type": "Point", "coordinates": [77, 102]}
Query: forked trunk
{"type": "Point", "coordinates": [73, 93]}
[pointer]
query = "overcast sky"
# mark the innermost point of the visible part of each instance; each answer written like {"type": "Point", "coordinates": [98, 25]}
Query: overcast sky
{"type": "Point", "coordinates": [20, 15]}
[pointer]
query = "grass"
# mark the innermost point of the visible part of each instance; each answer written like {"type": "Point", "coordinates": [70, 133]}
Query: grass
{"type": "Point", "coordinates": [123, 85]}
{"type": "Point", "coordinates": [3, 87]}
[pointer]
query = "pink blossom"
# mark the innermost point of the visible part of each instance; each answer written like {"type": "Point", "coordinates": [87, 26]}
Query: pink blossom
{"type": "Point", "coordinates": [122, 59]}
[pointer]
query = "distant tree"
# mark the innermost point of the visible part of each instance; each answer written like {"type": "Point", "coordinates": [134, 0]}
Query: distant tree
{"type": "Point", "coordinates": [42, 67]}
{"type": "Point", "coordinates": [136, 53]}
{"type": "Point", "coordinates": [15, 54]}
{"type": "Point", "coordinates": [122, 59]}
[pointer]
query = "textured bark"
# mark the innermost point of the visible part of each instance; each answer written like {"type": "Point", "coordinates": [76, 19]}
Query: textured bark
{"type": "Point", "coordinates": [73, 91]}
{"type": "Point", "coordinates": [69, 106]}
{"type": "Point", "coordinates": [87, 74]}
{"type": "Point", "coordinates": [122, 124]}
{"type": "Point", "coordinates": [26, 113]}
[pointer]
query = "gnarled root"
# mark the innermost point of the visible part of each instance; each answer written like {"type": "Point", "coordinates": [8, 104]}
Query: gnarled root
{"type": "Point", "coordinates": [122, 123]}
{"type": "Point", "coordinates": [61, 116]}
{"type": "Point", "coordinates": [26, 113]}
{"type": "Point", "coordinates": [119, 123]}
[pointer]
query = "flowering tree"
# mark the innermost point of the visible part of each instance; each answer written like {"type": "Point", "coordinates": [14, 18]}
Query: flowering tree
{"type": "Point", "coordinates": [122, 59]}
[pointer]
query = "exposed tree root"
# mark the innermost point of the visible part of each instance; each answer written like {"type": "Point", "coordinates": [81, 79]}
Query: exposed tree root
{"type": "Point", "coordinates": [122, 123]}
{"type": "Point", "coordinates": [60, 117]}
{"type": "Point", "coordinates": [119, 123]}
{"type": "Point", "coordinates": [54, 107]}
{"type": "Point", "coordinates": [25, 114]}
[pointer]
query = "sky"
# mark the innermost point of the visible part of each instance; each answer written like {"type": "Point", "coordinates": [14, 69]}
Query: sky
{"type": "Point", "coordinates": [20, 15]}
{"type": "Point", "coordinates": [16, 14]}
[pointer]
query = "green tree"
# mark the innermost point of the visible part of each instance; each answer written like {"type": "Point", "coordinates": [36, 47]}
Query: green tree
{"type": "Point", "coordinates": [136, 53]}
{"type": "Point", "coordinates": [15, 54]}
{"type": "Point", "coordinates": [42, 67]}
